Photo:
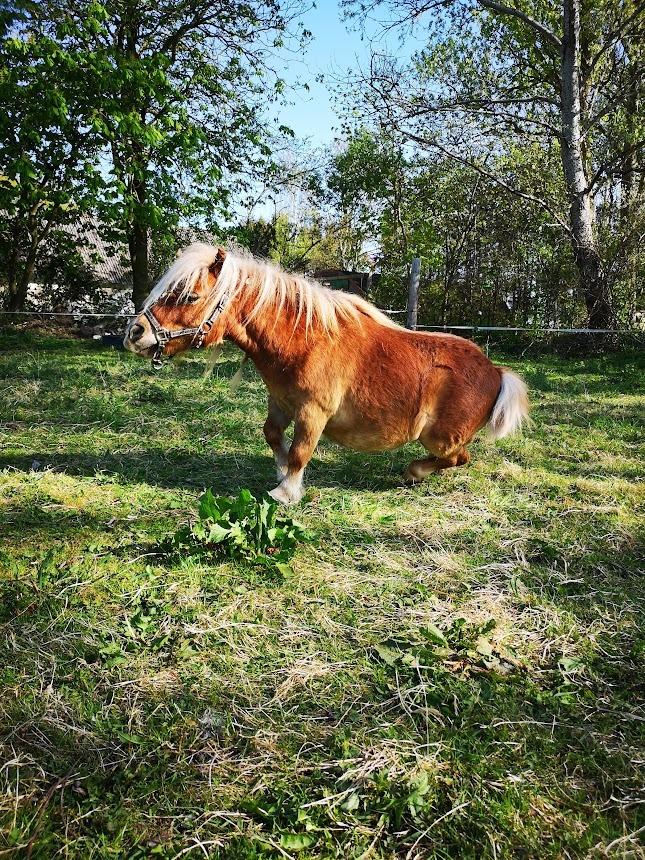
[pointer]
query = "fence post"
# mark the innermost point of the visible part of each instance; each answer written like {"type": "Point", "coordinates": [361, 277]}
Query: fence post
{"type": "Point", "coordinates": [413, 293]}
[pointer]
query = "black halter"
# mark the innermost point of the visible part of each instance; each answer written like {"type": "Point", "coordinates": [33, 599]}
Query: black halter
{"type": "Point", "coordinates": [198, 334]}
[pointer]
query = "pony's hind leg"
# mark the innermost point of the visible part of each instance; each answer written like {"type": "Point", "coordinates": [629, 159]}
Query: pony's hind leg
{"type": "Point", "coordinates": [419, 469]}
{"type": "Point", "coordinates": [274, 427]}
{"type": "Point", "coordinates": [445, 441]}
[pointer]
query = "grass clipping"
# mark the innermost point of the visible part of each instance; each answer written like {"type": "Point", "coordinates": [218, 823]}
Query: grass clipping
{"type": "Point", "coordinates": [244, 528]}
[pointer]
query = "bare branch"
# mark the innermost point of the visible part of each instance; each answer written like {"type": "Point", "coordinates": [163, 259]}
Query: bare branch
{"type": "Point", "coordinates": [605, 166]}
{"type": "Point", "coordinates": [542, 29]}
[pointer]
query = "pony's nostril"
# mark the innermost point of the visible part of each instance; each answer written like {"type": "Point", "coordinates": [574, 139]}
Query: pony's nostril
{"type": "Point", "coordinates": [136, 332]}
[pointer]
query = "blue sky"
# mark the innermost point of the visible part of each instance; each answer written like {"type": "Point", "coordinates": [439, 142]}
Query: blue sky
{"type": "Point", "coordinates": [336, 46]}
{"type": "Point", "coordinates": [332, 50]}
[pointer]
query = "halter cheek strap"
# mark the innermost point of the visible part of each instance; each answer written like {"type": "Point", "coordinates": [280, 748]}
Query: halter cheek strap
{"type": "Point", "coordinates": [165, 335]}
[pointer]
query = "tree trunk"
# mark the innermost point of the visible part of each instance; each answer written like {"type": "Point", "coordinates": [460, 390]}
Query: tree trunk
{"type": "Point", "coordinates": [18, 298]}
{"type": "Point", "coordinates": [21, 278]}
{"type": "Point", "coordinates": [138, 245]}
{"type": "Point", "coordinates": [12, 266]}
{"type": "Point", "coordinates": [11, 299]}
{"type": "Point", "coordinates": [14, 301]}
{"type": "Point", "coordinates": [591, 274]}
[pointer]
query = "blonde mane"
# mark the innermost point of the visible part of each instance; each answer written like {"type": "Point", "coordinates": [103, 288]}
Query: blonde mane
{"type": "Point", "coordinates": [272, 288]}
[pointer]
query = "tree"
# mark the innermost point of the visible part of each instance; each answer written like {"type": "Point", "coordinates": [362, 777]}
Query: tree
{"type": "Point", "coordinates": [314, 243]}
{"type": "Point", "coordinates": [371, 176]}
{"type": "Point", "coordinates": [178, 111]}
{"type": "Point", "coordinates": [308, 230]}
{"type": "Point", "coordinates": [495, 74]}
{"type": "Point", "coordinates": [47, 150]}
{"type": "Point", "coordinates": [486, 259]}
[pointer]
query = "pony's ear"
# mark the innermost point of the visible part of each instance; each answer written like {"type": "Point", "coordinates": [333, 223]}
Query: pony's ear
{"type": "Point", "coordinates": [216, 267]}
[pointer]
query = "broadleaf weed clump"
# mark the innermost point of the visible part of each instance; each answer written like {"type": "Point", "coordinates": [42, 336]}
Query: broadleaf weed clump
{"type": "Point", "coordinates": [244, 529]}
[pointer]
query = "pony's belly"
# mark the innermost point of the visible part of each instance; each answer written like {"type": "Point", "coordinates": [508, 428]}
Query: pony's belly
{"type": "Point", "coordinates": [366, 436]}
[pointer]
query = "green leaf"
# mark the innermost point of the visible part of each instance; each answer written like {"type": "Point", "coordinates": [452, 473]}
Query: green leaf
{"type": "Point", "coordinates": [387, 654]}
{"type": "Point", "coordinates": [434, 635]}
{"type": "Point", "coordinates": [297, 841]}
{"type": "Point", "coordinates": [352, 802]}
{"type": "Point", "coordinates": [217, 533]}
{"type": "Point", "coordinates": [245, 498]}
{"type": "Point", "coordinates": [207, 506]}
{"type": "Point", "coordinates": [483, 646]}
{"type": "Point", "coordinates": [129, 738]}
{"type": "Point", "coordinates": [571, 664]}
{"type": "Point", "coordinates": [491, 624]}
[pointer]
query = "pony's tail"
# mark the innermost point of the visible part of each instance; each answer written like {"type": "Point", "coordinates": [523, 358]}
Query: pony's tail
{"type": "Point", "coordinates": [511, 409]}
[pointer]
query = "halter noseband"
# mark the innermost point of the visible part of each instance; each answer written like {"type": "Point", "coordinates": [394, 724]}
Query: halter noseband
{"type": "Point", "coordinates": [198, 333]}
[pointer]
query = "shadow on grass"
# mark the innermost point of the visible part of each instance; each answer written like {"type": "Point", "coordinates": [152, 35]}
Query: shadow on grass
{"type": "Point", "coordinates": [225, 473]}
{"type": "Point", "coordinates": [23, 521]}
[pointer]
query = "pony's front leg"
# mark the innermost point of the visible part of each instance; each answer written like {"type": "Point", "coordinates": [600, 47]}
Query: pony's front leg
{"type": "Point", "coordinates": [310, 423]}
{"type": "Point", "coordinates": [274, 427]}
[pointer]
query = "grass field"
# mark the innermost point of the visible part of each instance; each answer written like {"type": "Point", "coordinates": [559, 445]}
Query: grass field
{"type": "Point", "coordinates": [452, 670]}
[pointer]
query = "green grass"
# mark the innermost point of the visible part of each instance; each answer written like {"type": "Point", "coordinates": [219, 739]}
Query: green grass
{"type": "Point", "coordinates": [453, 670]}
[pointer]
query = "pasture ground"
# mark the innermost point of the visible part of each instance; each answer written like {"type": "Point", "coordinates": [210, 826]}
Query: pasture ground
{"type": "Point", "coordinates": [454, 670]}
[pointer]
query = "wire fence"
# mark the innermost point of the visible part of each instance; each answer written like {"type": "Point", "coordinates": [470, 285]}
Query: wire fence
{"type": "Point", "coordinates": [535, 330]}
{"type": "Point", "coordinates": [79, 316]}
{"type": "Point", "coordinates": [73, 314]}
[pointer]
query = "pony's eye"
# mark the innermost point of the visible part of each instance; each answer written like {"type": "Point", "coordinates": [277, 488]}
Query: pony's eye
{"type": "Point", "coordinates": [190, 300]}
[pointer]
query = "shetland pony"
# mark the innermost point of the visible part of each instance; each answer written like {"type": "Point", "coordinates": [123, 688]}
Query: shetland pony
{"type": "Point", "coordinates": [332, 363]}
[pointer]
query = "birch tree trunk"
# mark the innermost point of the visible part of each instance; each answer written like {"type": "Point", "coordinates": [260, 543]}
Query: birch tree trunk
{"type": "Point", "coordinates": [591, 273]}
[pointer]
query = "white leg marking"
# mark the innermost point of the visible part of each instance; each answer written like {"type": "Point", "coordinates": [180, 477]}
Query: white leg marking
{"type": "Point", "coordinates": [290, 490]}
{"type": "Point", "coordinates": [281, 458]}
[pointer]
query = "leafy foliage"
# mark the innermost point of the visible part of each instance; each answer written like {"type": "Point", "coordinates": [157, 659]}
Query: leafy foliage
{"type": "Point", "coordinates": [486, 259]}
{"type": "Point", "coordinates": [464, 645]}
{"type": "Point", "coordinates": [48, 151]}
{"type": "Point", "coordinates": [165, 97]}
{"type": "Point", "coordinates": [243, 528]}
{"type": "Point", "coordinates": [311, 243]}
{"type": "Point", "coordinates": [493, 89]}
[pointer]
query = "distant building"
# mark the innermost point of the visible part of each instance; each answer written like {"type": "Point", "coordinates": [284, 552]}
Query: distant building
{"type": "Point", "coordinates": [108, 262]}
{"type": "Point", "coordinates": [341, 279]}
{"type": "Point", "coordinates": [105, 264]}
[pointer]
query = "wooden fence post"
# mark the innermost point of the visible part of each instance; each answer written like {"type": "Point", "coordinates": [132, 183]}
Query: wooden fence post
{"type": "Point", "coordinates": [413, 294]}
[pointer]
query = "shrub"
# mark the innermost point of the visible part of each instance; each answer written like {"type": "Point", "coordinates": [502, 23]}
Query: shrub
{"type": "Point", "coordinates": [243, 528]}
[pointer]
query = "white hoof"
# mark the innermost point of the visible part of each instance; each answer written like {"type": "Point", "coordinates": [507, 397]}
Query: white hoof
{"type": "Point", "coordinates": [285, 495]}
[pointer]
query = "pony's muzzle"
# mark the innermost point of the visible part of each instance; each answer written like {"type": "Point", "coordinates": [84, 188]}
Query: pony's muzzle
{"type": "Point", "coordinates": [139, 337]}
